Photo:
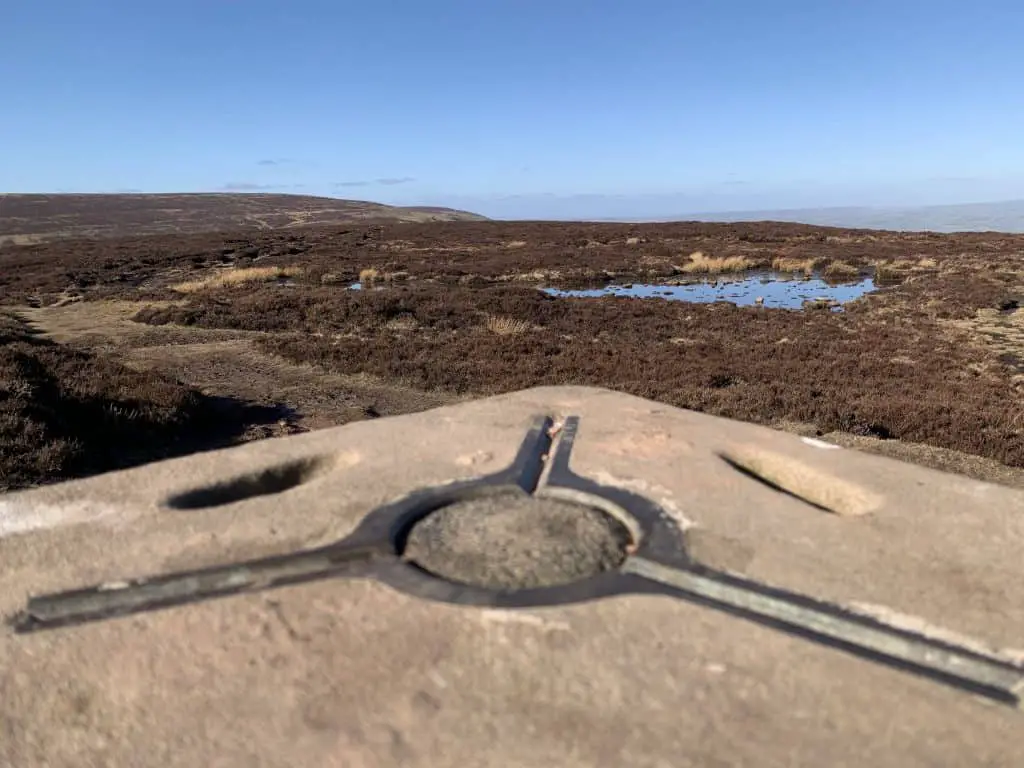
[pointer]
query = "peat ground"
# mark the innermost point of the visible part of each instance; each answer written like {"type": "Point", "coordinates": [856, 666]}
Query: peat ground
{"type": "Point", "coordinates": [452, 310]}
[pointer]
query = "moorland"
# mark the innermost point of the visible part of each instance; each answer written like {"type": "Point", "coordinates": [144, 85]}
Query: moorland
{"type": "Point", "coordinates": [36, 218]}
{"type": "Point", "coordinates": [124, 349]}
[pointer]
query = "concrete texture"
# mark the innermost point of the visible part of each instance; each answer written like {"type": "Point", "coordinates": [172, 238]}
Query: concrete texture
{"type": "Point", "coordinates": [351, 673]}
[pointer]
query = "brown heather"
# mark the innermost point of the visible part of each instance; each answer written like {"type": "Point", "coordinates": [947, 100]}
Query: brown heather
{"type": "Point", "coordinates": [457, 311]}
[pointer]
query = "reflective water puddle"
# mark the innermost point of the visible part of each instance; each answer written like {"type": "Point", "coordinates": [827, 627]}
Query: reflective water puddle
{"type": "Point", "coordinates": [777, 290]}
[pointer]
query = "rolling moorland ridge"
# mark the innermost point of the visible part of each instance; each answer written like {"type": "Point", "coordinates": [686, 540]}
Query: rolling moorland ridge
{"type": "Point", "coordinates": [26, 219]}
{"type": "Point", "coordinates": [121, 349]}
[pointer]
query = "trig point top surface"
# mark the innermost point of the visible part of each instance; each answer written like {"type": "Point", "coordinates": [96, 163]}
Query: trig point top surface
{"type": "Point", "coordinates": [556, 577]}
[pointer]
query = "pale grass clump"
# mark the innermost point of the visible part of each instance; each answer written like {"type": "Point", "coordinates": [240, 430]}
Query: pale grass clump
{"type": "Point", "coordinates": [21, 239]}
{"type": "Point", "coordinates": [789, 264]}
{"type": "Point", "coordinates": [236, 277]}
{"type": "Point", "coordinates": [702, 264]}
{"type": "Point", "coordinates": [884, 271]}
{"type": "Point", "coordinates": [899, 268]}
{"type": "Point", "coordinates": [507, 326]}
{"type": "Point", "coordinates": [403, 322]}
{"type": "Point", "coordinates": [370, 276]}
{"type": "Point", "coordinates": [904, 265]}
{"type": "Point", "coordinates": [840, 269]}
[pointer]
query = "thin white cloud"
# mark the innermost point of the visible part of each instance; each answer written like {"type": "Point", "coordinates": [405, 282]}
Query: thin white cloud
{"type": "Point", "coordinates": [387, 182]}
{"type": "Point", "coordinates": [247, 186]}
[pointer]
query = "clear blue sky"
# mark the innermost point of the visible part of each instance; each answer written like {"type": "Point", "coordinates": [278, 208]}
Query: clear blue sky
{"type": "Point", "coordinates": [520, 107]}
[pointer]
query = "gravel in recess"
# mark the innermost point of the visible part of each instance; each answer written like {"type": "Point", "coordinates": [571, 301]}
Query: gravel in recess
{"type": "Point", "coordinates": [517, 542]}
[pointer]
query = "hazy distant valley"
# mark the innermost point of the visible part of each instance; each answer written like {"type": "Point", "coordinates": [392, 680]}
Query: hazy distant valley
{"type": "Point", "coordinates": [1004, 216]}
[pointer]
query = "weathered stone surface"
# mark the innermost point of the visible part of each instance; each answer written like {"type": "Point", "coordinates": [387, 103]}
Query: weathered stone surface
{"type": "Point", "coordinates": [351, 673]}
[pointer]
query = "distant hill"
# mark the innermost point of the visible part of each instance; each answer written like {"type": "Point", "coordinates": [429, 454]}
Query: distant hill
{"type": "Point", "coordinates": [1006, 216]}
{"type": "Point", "coordinates": [38, 218]}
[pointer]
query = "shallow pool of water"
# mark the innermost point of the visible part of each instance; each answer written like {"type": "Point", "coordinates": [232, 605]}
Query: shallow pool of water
{"type": "Point", "coordinates": [776, 290]}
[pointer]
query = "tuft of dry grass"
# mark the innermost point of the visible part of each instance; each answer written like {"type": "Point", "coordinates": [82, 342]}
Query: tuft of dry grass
{"type": "Point", "coordinates": [840, 269]}
{"type": "Point", "coordinates": [403, 322]}
{"type": "Point", "coordinates": [702, 264]}
{"type": "Point", "coordinates": [237, 277]}
{"type": "Point", "coordinates": [507, 326]}
{"type": "Point", "coordinates": [16, 239]}
{"type": "Point", "coordinates": [897, 269]}
{"type": "Point", "coordinates": [787, 264]}
{"type": "Point", "coordinates": [368, 276]}
{"type": "Point", "coordinates": [886, 272]}
{"type": "Point", "coordinates": [904, 265]}
{"type": "Point", "coordinates": [537, 275]}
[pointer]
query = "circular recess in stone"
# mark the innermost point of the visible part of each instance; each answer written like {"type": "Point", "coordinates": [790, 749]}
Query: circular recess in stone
{"type": "Point", "coordinates": [511, 542]}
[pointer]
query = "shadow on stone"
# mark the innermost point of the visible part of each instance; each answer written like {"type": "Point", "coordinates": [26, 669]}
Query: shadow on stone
{"type": "Point", "coordinates": [263, 483]}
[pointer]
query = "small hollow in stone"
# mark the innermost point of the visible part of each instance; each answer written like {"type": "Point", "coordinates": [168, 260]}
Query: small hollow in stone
{"type": "Point", "coordinates": [264, 482]}
{"type": "Point", "coordinates": [811, 485]}
{"type": "Point", "coordinates": [511, 542]}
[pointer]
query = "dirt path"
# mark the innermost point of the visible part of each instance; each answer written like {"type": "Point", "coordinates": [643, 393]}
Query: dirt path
{"type": "Point", "coordinates": [228, 363]}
